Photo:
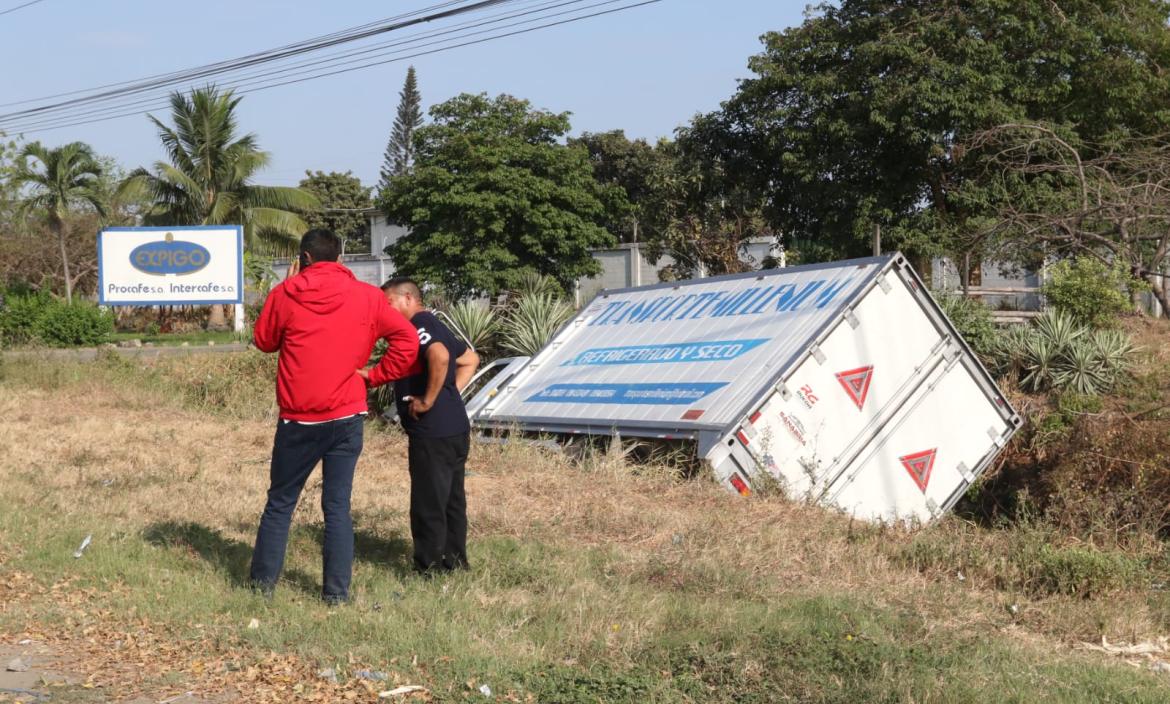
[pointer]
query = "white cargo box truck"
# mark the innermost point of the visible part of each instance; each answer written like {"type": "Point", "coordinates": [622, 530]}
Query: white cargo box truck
{"type": "Point", "coordinates": [844, 382]}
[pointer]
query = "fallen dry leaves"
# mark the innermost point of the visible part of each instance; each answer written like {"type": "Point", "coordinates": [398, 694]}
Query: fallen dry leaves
{"type": "Point", "coordinates": [128, 657]}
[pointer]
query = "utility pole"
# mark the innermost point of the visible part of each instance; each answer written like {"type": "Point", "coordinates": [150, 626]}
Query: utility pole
{"type": "Point", "coordinates": [877, 240]}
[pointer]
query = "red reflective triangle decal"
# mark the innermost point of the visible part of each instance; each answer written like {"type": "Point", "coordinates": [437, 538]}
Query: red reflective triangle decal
{"type": "Point", "coordinates": [919, 465]}
{"type": "Point", "coordinates": [856, 383]}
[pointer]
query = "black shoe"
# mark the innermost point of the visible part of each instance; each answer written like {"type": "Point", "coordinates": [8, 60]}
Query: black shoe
{"type": "Point", "coordinates": [332, 600]}
{"type": "Point", "coordinates": [263, 589]}
{"type": "Point", "coordinates": [457, 566]}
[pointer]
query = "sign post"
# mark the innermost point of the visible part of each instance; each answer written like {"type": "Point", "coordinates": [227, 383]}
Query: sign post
{"type": "Point", "coordinates": [151, 266]}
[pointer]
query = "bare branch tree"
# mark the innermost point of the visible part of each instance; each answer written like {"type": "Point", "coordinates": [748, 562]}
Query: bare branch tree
{"type": "Point", "coordinates": [1114, 205]}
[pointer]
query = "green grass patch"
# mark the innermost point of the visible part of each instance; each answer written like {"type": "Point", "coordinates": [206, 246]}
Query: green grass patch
{"type": "Point", "coordinates": [541, 618]}
{"type": "Point", "coordinates": [557, 625]}
{"type": "Point", "coordinates": [1031, 558]}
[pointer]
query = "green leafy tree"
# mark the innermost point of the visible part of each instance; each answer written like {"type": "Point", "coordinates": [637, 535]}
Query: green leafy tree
{"type": "Point", "coordinates": [60, 181]}
{"type": "Point", "coordinates": [632, 165]}
{"type": "Point", "coordinates": [857, 117]}
{"type": "Point", "coordinates": [343, 199]}
{"type": "Point", "coordinates": [400, 149]}
{"type": "Point", "coordinates": [699, 211]}
{"type": "Point", "coordinates": [209, 178]}
{"type": "Point", "coordinates": [493, 195]}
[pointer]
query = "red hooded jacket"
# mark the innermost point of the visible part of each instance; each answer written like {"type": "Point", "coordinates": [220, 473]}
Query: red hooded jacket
{"type": "Point", "coordinates": [325, 322]}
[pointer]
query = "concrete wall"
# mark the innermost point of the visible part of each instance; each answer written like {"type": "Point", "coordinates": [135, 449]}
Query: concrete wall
{"type": "Point", "coordinates": [624, 266]}
{"type": "Point", "coordinates": [945, 276]}
{"type": "Point", "coordinates": [372, 270]}
{"type": "Point", "coordinates": [382, 233]}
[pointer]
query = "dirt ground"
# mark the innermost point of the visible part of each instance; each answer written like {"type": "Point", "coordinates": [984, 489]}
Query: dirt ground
{"type": "Point", "coordinates": [32, 671]}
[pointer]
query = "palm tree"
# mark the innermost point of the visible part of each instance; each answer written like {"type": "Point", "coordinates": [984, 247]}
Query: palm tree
{"type": "Point", "coordinates": [208, 179]}
{"type": "Point", "coordinates": [60, 179]}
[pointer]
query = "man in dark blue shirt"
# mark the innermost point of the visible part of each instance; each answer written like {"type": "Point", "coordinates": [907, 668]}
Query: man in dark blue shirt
{"type": "Point", "coordinates": [435, 420]}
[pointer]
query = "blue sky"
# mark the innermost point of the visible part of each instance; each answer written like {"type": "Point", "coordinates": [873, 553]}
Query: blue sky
{"type": "Point", "coordinates": [645, 70]}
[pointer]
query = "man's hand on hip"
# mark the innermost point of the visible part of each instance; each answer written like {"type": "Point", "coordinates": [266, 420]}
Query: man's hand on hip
{"type": "Point", "coordinates": [419, 406]}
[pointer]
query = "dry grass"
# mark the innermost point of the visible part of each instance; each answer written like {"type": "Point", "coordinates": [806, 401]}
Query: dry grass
{"type": "Point", "coordinates": [605, 563]}
{"type": "Point", "coordinates": [118, 458]}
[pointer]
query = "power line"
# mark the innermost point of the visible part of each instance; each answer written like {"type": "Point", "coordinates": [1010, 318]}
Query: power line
{"type": "Point", "coordinates": [179, 73]}
{"type": "Point", "coordinates": [306, 67]}
{"type": "Point", "coordinates": [47, 125]}
{"type": "Point", "coordinates": [315, 44]}
{"type": "Point", "coordinates": [20, 7]}
{"type": "Point", "coordinates": [74, 112]}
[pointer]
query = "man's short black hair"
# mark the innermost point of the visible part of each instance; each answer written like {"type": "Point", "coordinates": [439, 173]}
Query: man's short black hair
{"type": "Point", "coordinates": [322, 245]}
{"type": "Point", "coordinates": [403, 282]}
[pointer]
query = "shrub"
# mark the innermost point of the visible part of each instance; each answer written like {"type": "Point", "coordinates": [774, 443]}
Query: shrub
{"type": "Point", "coordinates": [533, 322]}
{"type": "Point", "coordinates": [381, 397]}
{"type": "Point", "coordinates": [531, 283]}
{"type": "Point", "coordinates": [474, 322]}
{"type": "Point", "coordinates": [972, 319]}
{"type": "Point", "coordinates": [1059, 353]}
{"type": "Point", "coordinates": [71, 325]}
{"type": "Point", "coordinates": [1090, 291]}
{"type": "Point", "coordinates": [1081, 571]}
{"type": "Point", "coordinates": [18, 317]}
{"type": "Point", "coordinates": [37, 317]}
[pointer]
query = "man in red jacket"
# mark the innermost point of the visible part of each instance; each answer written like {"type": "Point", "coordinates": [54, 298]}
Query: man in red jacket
{"type": "Point", "coordinates": [324, 323]}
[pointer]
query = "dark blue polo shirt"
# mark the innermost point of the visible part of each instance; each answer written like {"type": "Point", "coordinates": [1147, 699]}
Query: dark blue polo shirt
{"type": "Point", "coordinates": [447, 417]}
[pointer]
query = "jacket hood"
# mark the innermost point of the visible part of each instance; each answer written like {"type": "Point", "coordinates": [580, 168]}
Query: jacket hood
{"type": "Point", "coordinates": [321, 288]}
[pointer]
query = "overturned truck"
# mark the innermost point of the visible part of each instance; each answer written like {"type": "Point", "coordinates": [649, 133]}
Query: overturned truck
{"type": "Point", "coordinates": [843, 382]}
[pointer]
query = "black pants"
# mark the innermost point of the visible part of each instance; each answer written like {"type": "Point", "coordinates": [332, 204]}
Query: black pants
{"type": "Point", "coordinates": [296, 450]}
{"type": "Point", "coordinates": [438, 505]}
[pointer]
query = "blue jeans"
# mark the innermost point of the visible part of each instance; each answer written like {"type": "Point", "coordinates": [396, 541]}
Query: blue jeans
{"type": "Point", "coordinates": [296, 450]}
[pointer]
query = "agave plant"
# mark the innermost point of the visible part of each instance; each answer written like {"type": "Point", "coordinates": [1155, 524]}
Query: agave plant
{"type": "Point", "coordinates": [1080, 369]}
{"type": "Point", "coordinates": [1060, 353]}
{"type": "Point", "coordinates": [1115, 350]}
{"type": "Point", "coordinates": [1040, 358]}
{"type": "Point", "coordinates": [1009, 350]}
{"type": "Point", "coordinates": [1059, 328]}
{"type": "Point", "coordinates": [476, 323]}
{"type": "Point", "coordinates": [381, 398]}
{"type": "Point", "coordinates": [973, 321]}
{"type": "Point", "coordinates": [534, 284]}
{"type": "Point", "coordinates": [533, 321]}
